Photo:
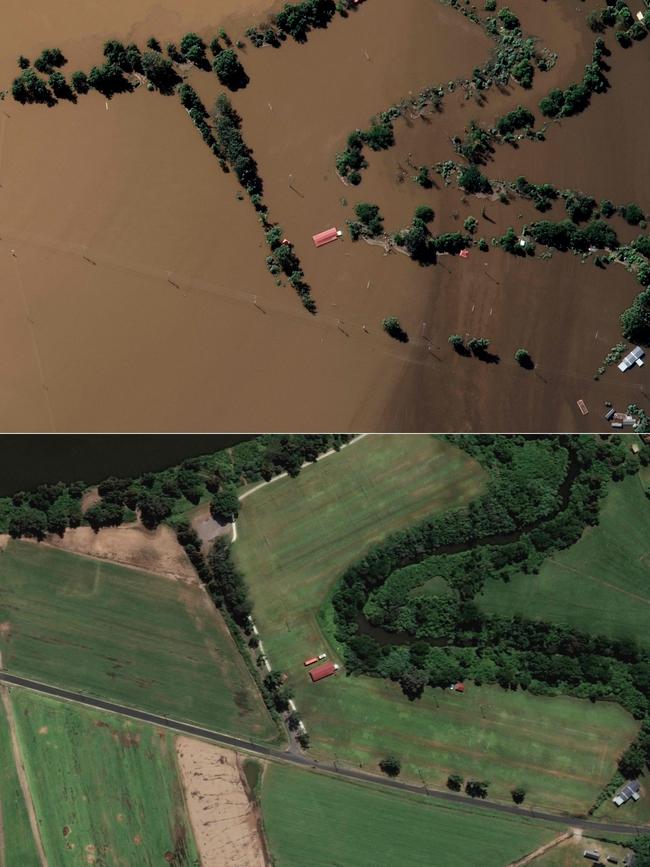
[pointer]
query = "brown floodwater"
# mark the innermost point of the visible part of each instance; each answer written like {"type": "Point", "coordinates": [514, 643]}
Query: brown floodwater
{"type": "Point", "coordinates": [137, 298]}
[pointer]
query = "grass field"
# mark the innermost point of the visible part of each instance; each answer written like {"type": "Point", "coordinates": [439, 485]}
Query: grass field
{"type": "Point", "coordinates": [126, 635]}
{"type": "Point", "coordinates": [295, 539]}
{"type": "Point", "coordinates": [106, 790]}
{"type": "Point", "coordinates": [321, 821]}
{"type": "Point", "coordinates": [562, 750]}
{"type": "Point", "coordinates": [600, 585]}
{"type": "Point", "coordinates": [296, 536]}
{"type": "Point", "coordinates": [16, 840]}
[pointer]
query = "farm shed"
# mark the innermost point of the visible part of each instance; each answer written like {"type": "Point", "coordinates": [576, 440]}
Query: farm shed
{"type": "Point", "coordinates": [633, 358]}
{"type": "Point", "coordinates": [326, 237]}
{"type": "Point", "coordinates": [323, 671]}
{"type": "Point", "coordinates": [627, 792]}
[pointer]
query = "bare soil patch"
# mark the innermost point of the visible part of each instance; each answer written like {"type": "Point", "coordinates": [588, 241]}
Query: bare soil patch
{"type": "Point", "coordinates": [89, 499]}
{"type": "Point", "coordinates": [207, 528]}
{"type": "Point", "coordinates": [131, 545]}
{"type": "Point", "coordinates": [226, 827]}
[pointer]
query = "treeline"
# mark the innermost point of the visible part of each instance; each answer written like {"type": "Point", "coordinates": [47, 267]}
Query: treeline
{"type": "Point", "coordinates": [422, 581]}
{"type": "Point", "coordinates": [297, 20]}
{"type": "Point", "coordinates": [156, 496]}
{"type": "Point", "coordinates": [577, 97]}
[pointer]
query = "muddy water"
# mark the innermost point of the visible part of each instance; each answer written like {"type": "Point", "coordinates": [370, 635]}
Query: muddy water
{"type": "Point", "coordinates": [171, 321]}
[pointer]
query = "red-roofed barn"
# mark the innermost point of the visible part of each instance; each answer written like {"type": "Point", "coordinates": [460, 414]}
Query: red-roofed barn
{"type": "Point", "coordinates": [325, 237]}
{"type": "Point", "coordinates": [323, 671]}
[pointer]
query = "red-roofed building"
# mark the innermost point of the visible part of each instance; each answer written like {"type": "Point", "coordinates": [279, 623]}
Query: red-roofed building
{"type": "Point", "coordinates": [310, 661]}
{"type": "Point", "coordinates": [326, 237]}
{"type": "Point", "coordinates": [459, 687]}
{"type": "Point", "coordinates": [323, 671]}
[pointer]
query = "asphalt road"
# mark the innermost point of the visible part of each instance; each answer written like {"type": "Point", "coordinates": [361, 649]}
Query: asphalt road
{"type": "Point", "coordinates": [307, 762]}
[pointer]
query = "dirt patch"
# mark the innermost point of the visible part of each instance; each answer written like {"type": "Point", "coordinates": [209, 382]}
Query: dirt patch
{"type": "Point", "coordinates": [207, 528]}
{"type": "Point", "coordinates": [43, 730]}
{"type": "Point", "coordinates": [5, 629]}
{"type": "Point", "coordinates": [225, 824]}
{"type": "Point", "coordinates": [131, 545]}
{"type": "Point", "coordinates": [4, 540]}
{"type": "Point", "coordinates": [89, 499]}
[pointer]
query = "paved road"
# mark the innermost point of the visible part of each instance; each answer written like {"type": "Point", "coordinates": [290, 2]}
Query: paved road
{"type": "Point", "coordinates": [307, 761]}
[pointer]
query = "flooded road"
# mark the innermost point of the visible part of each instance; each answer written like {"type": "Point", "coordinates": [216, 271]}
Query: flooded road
{"type": "Point", "coordinates": [137, 298]}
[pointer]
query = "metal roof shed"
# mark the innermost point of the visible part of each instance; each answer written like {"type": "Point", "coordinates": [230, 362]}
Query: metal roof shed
{"type": "Point", "coordinates": [323, 671]}
{"type": "Point", "coordinates": [326, 237]}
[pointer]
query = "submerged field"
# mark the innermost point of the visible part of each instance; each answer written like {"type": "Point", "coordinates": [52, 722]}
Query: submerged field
{"type": "Point", "coordinates": [139, 639]}
{"type": "Point", "coordinates": [295, 538]}
{"type": "Point", "coordinates": [321, 821]}
{"type": "Point", "coordinates": [105, 790]}
{"type": "Point", "coordinates": [600, 584]}
{"type": "Point", "coordinates": [174, 260]}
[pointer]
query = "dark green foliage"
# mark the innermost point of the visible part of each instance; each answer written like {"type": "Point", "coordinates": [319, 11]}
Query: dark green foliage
{"type": "Point", "coordinates": [370, 218]}
{"type": "Point", "coordinates": [153, 44]}
{"type": "Point", "coordinates": [518, 118]}
{"type": "Point", "coordinates": [565, 235]}
{"type": "Point", "coordinates": [108, 80]}
{"type": "Point", "coordinates": [524, 73]}
{"type": "Point", "coordinates": [29, 522]}
{"type": "Point", "coordinates": [193, 49]}
{"type": "Point", "coordinates": [632, 214]}
{"type": "Point", "coordinates": [451, 242]}
{"type": "Point", "coordinates": [60, 87]}
{"type": "Point", "coordinates": [224, 505]}
{"type": "Point", "coordinates": [229, 70]}
{"type": "Point", "coordinates": [392, 327]}
{"type": "Point", "coordinates": [518, 795]}
{"type": "Point", "coordinates": [28, 87]}
{"type": "Point", "coordinates": [48, 59]}
{"type": "Point", "coordinates": [508, 19]}
{"type": "Point", "coordinates": [642, 245]}
{"type": "Point", "coordinates": [105, 514]}
{"type": "Point", "coordinates": [455, 782]}
{"type": "Point", "coordinates": [79, 81]}
{"type": "Point", "coordinates": [542, 195]}
{"type": "Point", "coordinates": [391, 766]}
{"type": "Point", "coordinates": [233, 147]}
{"type": "Point", "coordinates": [226, 583]}
{"type": "Point", "coordinates": [380, 136]}
{"type": "Point", "coordinates": [636, 319]}
{"type": "Point", "coordinates": [424, 213]}
{"type": "Point", "coordinates": [472, 180]}
{"type": "Point", "coordinates": [477, 788]}
{"type": "Point", "coordinates": [23, 62]}
{"type": "Point", "coordinates": [160, 71]}
{"type": "Point", "coordinates": [297, 19]}
{"type": "Point", "coordinates": [632, 762]}
{"type": "Point", "coordinates": [579, 206]}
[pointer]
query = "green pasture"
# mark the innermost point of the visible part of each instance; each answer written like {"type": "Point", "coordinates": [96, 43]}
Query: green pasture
{"type": "Point", "coordinates": [106, 790]}
{"type": "Point", "coordinates": [321, 821]}
{"type": "Point", "coordinates": [561, 750]}
{"type": "Point", "coordinates": [16, 841]}
{"type": "Point", "coordinates": [296, 536]}
{"type": "Point", "coordinates": [126, 635]}
{"type": "Point", "coordinates": [599, 585]}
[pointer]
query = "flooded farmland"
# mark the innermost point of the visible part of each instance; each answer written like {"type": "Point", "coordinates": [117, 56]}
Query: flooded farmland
{"type": "Point", "coordinates": [135, 292]}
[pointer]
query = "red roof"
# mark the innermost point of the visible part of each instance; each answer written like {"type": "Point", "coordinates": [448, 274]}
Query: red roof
{"type": "Point", "coordinates": [325, 237]}
{"type": "Point", "coordinates": [459, 687]}
{"type": "Point", "coordinates": [311, 660]}
{"type": "Point", "coordinates": [322, 671]}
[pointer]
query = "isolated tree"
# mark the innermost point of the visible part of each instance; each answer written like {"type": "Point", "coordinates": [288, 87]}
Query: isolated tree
{"type": "Point", "coordinates": [477, 788]}
{"type": "Point", "coordinates": [455, 782]}
{"type": "Point", "coordinates": [391, 766]}
{"type": "Point", "coordinates": [28, 87]}
{"type": "Point", "coordinates": [456, 341]}
{"type": "Point", "coordinates": [391, 326]}
{"type": "Point", "coordinates": [522, 357]}
{"type": "Point", "coordinates": [229, 70]}
{"type": "Point", "coordinates": [518, 794]}
{"type": "Point", "coordinates": [153, 44]}
{"type": "Point", "coordinates": [303, 740]}
{"type": "Point", "coordinates": [23, 62]}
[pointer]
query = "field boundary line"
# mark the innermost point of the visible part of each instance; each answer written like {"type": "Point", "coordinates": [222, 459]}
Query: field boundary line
{"type": "Point", "coordinates": [22, 776]}
{"type": "Point", "coordinates": [309, 764]}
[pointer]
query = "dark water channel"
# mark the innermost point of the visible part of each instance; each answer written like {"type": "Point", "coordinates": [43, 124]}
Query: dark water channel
{"type": "Point", "coordinates": [384, 637]}
{"type": "Point", "coordinates": [27, 461]}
